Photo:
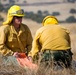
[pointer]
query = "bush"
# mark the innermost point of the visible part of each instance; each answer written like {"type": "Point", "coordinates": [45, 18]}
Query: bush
{"type": "Point", "coordinates": [38, 17]}
{"type": "Point", "coordinates": [35, 17]}
{"type": "Point", "coordinates": [1, 19]}
{"type": "Point", "coordinates": [72, 1]}
{"type": "Point", "coordinates": [1, 7]}
{"type": "Point", "coordinates": [71, 19]}
{"type": "Point", "coordinates": [46, 13]}
{"type": "Point", "coordinates": [73, 11]}
{"type": "Point", "coordinates": [55, 13]}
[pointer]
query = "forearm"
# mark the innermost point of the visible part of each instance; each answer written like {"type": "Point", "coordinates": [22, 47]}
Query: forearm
{"type": "Point", "coordinates": [34, 51]}
{"type": "Point", "coordinates": [5, 51]}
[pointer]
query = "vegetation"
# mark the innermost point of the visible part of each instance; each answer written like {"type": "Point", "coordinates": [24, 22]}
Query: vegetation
{"type": "Point", "coordinates": [72, 1]}
{"type": "Point", "coordinates": [35, 17]}
{"type": "Point", "coordinates": [38, 17]}
{"type": "Point", "coordinates": [1, 18]}
{"type": "Point", "coordinates": [55, 13]}
{"type": "Point", "coordinates": [73, 11]}
{"type": "Point", "coordinates": [71, 19]}
{"type": "Point", "coordinates": [10, 68]}
{"type": "Point", "coordinates": [1, 7]}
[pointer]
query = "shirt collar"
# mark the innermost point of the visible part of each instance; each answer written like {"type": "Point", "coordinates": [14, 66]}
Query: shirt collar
{"type": "Point", "coordinates": [20, 31]}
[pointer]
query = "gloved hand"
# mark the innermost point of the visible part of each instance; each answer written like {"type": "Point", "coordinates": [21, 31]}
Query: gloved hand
{"type": "Point", "coordinates": [20, 55]}
{"type": "Point", "coordinates": [16, 54]}
{"type": "Point", "coordinates": [30, 58]}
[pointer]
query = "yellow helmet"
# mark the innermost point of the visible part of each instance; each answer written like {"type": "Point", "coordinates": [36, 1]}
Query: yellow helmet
{"type": "Point", "coordinates": [14, 10]}
{"type": "Point", "coordinates": [49, 20]}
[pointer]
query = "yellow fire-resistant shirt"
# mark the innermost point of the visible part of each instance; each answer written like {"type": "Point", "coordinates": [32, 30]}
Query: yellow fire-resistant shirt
{"type": "Point", "coordinates": [53, 37]}
{"type": "Point", "coordinates": [11, 41]}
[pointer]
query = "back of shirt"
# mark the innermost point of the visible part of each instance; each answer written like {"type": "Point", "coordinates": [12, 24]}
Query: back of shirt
{"type": "Point", "coordinates": [54, 37]}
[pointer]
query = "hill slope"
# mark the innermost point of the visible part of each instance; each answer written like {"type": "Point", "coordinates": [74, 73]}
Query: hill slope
{"type": "Point", "coordinates": [62, 8]}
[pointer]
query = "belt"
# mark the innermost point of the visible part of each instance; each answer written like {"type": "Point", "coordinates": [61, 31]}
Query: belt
{"type": "Point", "coordinates": [58, 51]}
{"type": "Point", "coordinates": [53, 51]}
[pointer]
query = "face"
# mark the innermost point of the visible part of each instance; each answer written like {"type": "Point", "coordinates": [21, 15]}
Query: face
{"type": "Point", "coordinates": [17, 20]}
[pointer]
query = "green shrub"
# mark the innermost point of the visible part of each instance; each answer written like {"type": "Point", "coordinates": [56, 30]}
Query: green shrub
{"type": "Point", "coordinates": [55, 13]}
{"type": "Point", "coordinates": [1, 7]}
{"type": "Point", "coordinates": [73, 11]}
{"type": "Point", "coordinates": [1, 18]}
{"type": "Point", "coordinates": [71, 19]}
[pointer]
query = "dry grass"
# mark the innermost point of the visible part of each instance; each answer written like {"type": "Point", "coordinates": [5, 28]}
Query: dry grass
{"type": "Point", "coordinates": [62, 8]}
{"type": "Point", "coordinates": [17, 70]}
{"type": "Point", "coordinates": [12, 69]}
{"type": "Point", "coordinates": [72, 28]}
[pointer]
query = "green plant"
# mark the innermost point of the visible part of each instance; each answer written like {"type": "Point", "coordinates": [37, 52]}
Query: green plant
{"type": "Point", "coordinates": [1, 7]}
{"type": "Point", "coordinates": [1, 18]}
{"type": "Point", "coordinates": [71, 19]}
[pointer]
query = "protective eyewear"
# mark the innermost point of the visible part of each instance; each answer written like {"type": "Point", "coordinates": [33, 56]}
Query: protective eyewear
{"type": "Point", "coordinates": [19, 12]}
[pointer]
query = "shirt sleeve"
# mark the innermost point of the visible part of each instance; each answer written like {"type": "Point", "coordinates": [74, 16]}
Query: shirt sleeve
{"type": "Point", "coordinates": [29, 40]}
{"type": "Point", "coordinates": [69, 39]}
{"type": "Point", "coordinates": [4, 50]}
{"type": "Point", "coordinates": [35, 45]}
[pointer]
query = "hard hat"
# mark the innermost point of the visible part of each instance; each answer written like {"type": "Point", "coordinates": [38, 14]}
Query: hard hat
{"type": "Point", "coordinates": [14, 10]}
{"type": "Point", "coordinates": [49, 20]}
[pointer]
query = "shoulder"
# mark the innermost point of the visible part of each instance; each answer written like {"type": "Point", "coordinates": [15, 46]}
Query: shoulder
{"type": "Point", "coordinates": [4, 27]}
{"type": "Point", "coordinates": [25, 26]}
{"type": "Point", "coordinates": [64, 28]}
{"type": "Point", "coordinates": [61, 26]}
{"type": "Point", "coordinates": [40, 30]}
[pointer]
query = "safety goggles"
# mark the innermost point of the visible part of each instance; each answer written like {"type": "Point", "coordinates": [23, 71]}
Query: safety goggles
{"type": "Point", "coordinates": [19, 12]}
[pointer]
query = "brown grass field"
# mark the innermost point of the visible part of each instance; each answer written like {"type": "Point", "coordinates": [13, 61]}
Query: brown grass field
{"type": "Point", "coordinates": [17, 70]}
{"type": "Point", "coordinates": [12, 69]}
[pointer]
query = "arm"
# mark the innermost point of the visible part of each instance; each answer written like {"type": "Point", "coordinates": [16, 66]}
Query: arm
{"type": "Point", "coordinates": [68, 36]}
{"type": "Point", "coordinates": [29, 40]}
{"type": "Point", "coordinates": [4, 50]}
{"type": "Point", "coordinates": [35, 46]}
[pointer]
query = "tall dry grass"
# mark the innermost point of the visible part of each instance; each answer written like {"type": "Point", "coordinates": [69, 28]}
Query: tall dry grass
{"type": "Point", "coordinates": [72, 28]}
{"type": "Point", "coordinates": [17, 70]}
{"type": "Point", "coordinates": [12, 69]}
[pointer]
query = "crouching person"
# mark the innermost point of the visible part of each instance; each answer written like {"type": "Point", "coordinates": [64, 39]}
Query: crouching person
{"type": "Point", "coordinates": [52, 43]}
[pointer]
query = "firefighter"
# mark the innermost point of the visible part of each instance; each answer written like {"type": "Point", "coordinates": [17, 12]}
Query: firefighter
{"type": "Point", "coordinates": [15, 37]}
{"type": "Point", "coordinates": [52, 42]}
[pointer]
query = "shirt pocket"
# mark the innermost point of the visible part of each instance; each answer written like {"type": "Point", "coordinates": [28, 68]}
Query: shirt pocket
{"type": "Point", "coordinates": [12, 38]}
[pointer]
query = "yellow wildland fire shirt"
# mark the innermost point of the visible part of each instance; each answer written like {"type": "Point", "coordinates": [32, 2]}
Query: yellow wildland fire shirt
{"type": "Point", "coordinates": [53, 37]}
{"type": "Point", "coordinates": [10, 39]}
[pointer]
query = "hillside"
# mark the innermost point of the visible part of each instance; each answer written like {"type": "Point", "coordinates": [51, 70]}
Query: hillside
{"type": "Point", "coordinates": [15, 70]}
{"type": "Point", "coordinates": [51, 6]}
{"type": "Point", "coordinates": [62, 8]}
